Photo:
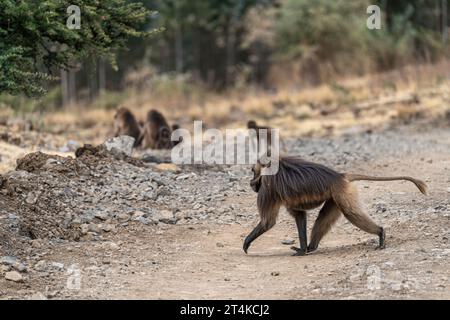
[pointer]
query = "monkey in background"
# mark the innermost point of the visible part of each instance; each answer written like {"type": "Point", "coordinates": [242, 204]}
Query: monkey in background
{"type": "Point", "coordinates": [125, 124]}
{"type": "Point", "coordinates": [156, 132]}
{"type": "Point", "coordinates": [300, 186]}
{"type": "Point", "coordinates": [252, 125]}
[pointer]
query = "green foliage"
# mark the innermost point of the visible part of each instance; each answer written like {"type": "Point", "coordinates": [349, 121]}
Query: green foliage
{"type": "Point", "coordinates": [23, 104]}
{"type": "Point", "coordinates": [109, 100]}
{"type": "Point", "coordinates": [335, 32]}
{"type": "Point", "coordinates": [202, 37]}
{"type": "Point", "coordinates": [34, 38]}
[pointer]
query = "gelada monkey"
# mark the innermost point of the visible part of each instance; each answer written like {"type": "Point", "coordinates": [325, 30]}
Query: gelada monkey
{"type": "Point", "coordinates": [300, 186]}
{"type": "Point", "coordinates": [125, 124]}
{"type": "Point", "coordinates": [156, 132]}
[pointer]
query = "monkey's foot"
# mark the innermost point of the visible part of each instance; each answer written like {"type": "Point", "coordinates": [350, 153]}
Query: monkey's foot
{"type": "Point", "coordinates": [380, 247]}
{"type": "Point", "coordinates": [312, 249]}
{"type": "Point", "coordinates": [298, 252]}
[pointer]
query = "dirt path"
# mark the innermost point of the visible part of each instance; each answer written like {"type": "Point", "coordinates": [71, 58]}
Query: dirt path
{"type": "Point", "coordinates": [205, 260]}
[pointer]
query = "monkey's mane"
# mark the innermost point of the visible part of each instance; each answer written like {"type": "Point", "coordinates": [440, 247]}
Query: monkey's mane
{"type": "Point", "coordinates": [297, 177]}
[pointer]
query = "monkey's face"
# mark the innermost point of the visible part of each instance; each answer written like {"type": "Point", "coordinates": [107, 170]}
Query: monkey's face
{"type": "Point", "coordinates": [255, 183]}
{"type": "Point", "coordinates": [251, 124]}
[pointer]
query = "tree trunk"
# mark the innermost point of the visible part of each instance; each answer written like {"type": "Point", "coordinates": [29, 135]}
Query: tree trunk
{"type": "Point", "coordinates": [445, 22]}
{"type": "Point", "coordinates": [101, 75]}
{"type": "Point", "coordinates": [64, 87]}
{"type": "Point", "coordinates": [68, 87]}
{"type": "Point", "coordinates": [72, 87]}
{"type": "Point", "coordinates": [179, 65]}
{"type": "Point", "coordinates": [231, 43]}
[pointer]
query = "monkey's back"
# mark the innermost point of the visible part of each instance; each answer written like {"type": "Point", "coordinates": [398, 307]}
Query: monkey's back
{"type": "Point", "coordinates": [300, 179]}
{"type": "Point", "coordinates": [156, 118]}
{"type": "Point", "coordinates": [126, 123]}
{"type": "Point", "coordinates": [154, 123]}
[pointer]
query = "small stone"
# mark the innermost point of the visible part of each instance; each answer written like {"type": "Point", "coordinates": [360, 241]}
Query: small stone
{"type": "Point", "coordinates": [183, 177]}
{"type": "Point", "coordinates": [57, 265]}
{"type": "Point", "coordinates": [32, 198]}
{"type": "Point", "coordinates": [137, 215]}
{"type": "Point", "coordinates": [123, 217]}
{"type": "Point", "coordinates": [40, 265]}
{"type": "Point", "coordinates": [220, 245]}
{"type": "Point", "coordinates": [275, 274]}
{"type": "Point", "coordinates": [4, 269]}
{"type": "Point", "coordinates": [94, 228]}
{"type": "Point", "coordinates": [102, 215]}
{"type": "Point", "coordinates": [13, 276]}
{"type": "Point", "coordinates": [108, 227]}
{"type": "Point", "coordinates": [84, 228]}
{"type": "Point", "coordinates": [288, 242]}
{"type": "Point", "coordinates": [164, 216]}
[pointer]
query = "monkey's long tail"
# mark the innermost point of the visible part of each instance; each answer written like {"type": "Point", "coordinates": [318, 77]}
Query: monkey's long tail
{"type": "Point", "coordinates": [358, 177]}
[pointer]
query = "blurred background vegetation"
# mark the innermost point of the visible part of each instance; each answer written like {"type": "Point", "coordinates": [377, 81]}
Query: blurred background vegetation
{"type": "Point", "coordinates": [197, 48]}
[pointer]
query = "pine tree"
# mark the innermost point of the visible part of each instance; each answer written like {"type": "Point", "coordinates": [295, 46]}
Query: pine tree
{"type": "Point", "coordinates": [35, 40]}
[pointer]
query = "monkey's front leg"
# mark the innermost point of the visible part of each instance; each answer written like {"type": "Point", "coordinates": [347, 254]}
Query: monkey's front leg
{"type": "Point", "coordinates": [300, 220]}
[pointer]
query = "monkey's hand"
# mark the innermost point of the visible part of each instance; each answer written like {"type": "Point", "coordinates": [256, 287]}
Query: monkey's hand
{"type": "Point", "coordinates": [246, 245]}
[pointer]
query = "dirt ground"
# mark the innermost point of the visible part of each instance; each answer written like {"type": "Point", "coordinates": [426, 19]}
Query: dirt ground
{"type": "Point", "coordinates": [204, 259]}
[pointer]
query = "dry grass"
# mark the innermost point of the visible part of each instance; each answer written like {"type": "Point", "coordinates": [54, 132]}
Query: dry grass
{"type": "Point", "coordinates": [296, 111]}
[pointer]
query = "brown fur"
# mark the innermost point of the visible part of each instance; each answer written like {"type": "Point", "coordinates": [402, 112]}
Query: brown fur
{"type": "Point", "coordinates": [125, 124]}
{"type": "Point", "coordinates": [156, 132]}
{"type": "Point", "coordinates": [174, 128]}
{"type": "Point", "coordinates": [300, 185]}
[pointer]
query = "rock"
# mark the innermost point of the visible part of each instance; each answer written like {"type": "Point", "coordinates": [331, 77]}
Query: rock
{"type": "Point", "coordinates": [288, 242]}
{"type": "Point", "coordinates": [13, 262]}
{"type": "Point", "coordinates": [40, 265]}
{"type": "Point", "coordinates": [184, 176]}
{"type": "Point", "coordinates": [84, 228]}
{"type": "Point", "coordinates": [94, 228]}
{"type": "Point", "coordinates": [137, 215]}
{"type": "Point", "coordinates": [108, 227]}
{"type": "Point", "coordinates": [143, 220]}
{"type": "Point", "coordinates": [183, 215]}
{"type": "Point", "coordinates": [167, 167]}
{"type": "Point", "coordinates": [101, 215]}
{"type": "Point", "coordinates": [123, 217]}
{"type": "Point", "coordinates": [275, 274]}
{"type": "Point", "coordinates": [57, 265]}
{"type": "Point", "coordinates": [123, 144]}
{"type": "Point", "coordinates": [13, 276]}
{"type": "Point", "coordinates": [4, 269]}
{"type": "Point", "coordinates": [38, 296]}
{"type": "Point", "coordinates": [164, 216]}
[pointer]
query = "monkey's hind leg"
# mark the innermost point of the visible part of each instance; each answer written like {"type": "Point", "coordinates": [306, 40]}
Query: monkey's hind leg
{"type": "Point", "coordinates": [328, 216]}
{"type": "Point", "coordinates": [347, 201]}
{"type": "Point", "coordinates": [300, 217]}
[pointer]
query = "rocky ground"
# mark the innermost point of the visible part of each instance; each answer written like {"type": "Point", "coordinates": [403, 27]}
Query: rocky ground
{"type": "Point", "coordinates": [104, 225]}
